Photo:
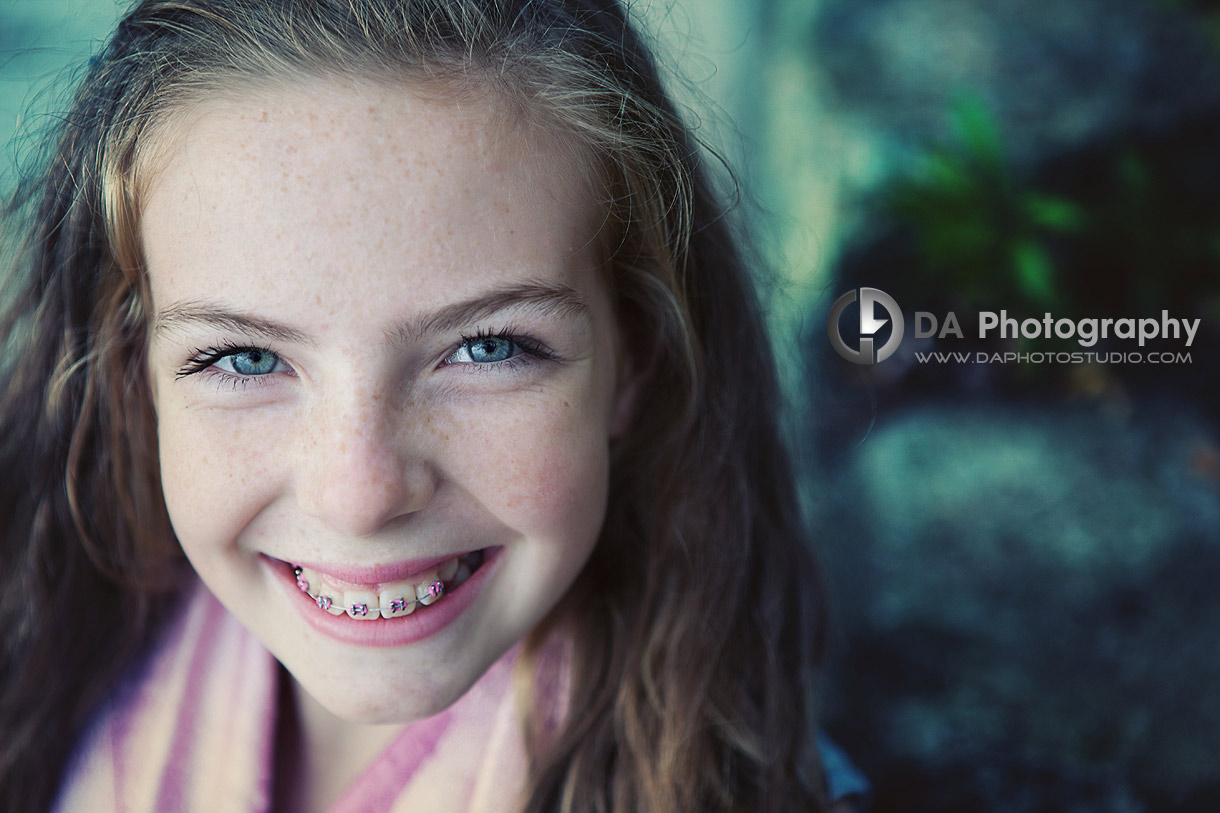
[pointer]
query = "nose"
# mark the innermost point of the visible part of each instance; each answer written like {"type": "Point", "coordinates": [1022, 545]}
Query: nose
{"type": "Point", "coordinates": [364, 466]}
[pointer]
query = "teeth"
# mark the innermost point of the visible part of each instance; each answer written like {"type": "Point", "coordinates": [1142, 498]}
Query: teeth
{"type": "Point", "coordinates": [422, 589]}
{"type": "Point", "coordinates": [325, 597]}
{"type": "Point", "coordinates": [397, 600]}
{"type": "Point", "coordinates": [393, 599]}
{"type": "Point", "coordinates": [361, 604]}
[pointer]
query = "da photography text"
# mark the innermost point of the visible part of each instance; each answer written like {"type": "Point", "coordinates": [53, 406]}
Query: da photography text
{"type": "Point", "coordinates": [1086, 332]}
{"type": "Point", "coordinates": [857, 340]}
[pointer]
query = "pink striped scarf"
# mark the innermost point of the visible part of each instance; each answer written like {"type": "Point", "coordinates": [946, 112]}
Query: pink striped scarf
{"type": "Point", "coordinates": [194, 730]}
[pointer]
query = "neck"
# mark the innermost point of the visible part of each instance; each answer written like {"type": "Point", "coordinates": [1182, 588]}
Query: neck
{"type": "Point", "coordinates": [318, 755]}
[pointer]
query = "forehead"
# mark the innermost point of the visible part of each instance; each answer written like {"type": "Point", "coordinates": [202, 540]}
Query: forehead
{"type": "Point", "coordinates": [316, 181]}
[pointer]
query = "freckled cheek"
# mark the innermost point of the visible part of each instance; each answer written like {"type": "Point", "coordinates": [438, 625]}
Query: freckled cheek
{"type": "Point", "coordinates": [544, 468]}
{"type": "Point", "coordinates": [213, 478]}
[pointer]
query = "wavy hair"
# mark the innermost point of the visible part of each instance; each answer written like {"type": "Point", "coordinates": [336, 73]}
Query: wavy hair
{"type": "Point", "coordinates": [698, 622]}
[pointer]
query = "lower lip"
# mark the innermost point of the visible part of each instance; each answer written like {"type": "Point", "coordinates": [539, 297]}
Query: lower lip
{"type": "Point", "coordinates": [426, 621]}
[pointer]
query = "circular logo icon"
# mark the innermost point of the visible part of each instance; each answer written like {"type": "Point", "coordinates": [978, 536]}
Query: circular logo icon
{"type": "Point", "coordinates": [869, 299]}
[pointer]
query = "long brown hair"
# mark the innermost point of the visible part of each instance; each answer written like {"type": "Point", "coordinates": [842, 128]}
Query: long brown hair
{"type": "Point", "coordinates": [698, 622]}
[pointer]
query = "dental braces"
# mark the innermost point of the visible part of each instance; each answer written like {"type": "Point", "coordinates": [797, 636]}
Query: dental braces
{"type": "Point", "coordinates": [435, 591]}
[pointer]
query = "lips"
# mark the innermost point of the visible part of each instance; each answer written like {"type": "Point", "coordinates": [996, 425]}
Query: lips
{"type": "Point", "coordinates": [386, 599]}
{"type": "Point", "coordinates": [402, 626]}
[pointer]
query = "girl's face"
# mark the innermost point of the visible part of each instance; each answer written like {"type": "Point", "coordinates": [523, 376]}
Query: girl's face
{"type": "Point", "coordinates": [382, 350]}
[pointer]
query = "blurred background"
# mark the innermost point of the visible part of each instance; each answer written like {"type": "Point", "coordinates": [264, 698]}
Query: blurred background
{"type": "Point", "coordinates": [1025, 558]}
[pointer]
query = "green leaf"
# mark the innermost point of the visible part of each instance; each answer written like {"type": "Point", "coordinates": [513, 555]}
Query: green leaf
{"type": "Point", "coordinates": [1059, 214]}
{"type": "Point", "coordinates": [943, 175]}
{"type": "Point", "coordinates": [1035, 272]}
{"type": "Point", "coordinates": [978, 129]}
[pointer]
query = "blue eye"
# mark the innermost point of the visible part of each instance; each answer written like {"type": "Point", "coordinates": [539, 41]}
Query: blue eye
{"type": "Point", "coordinates": [252, 362]}
{"type": "Point", "coordinates": [485, 350]}
{"type": "Point", "coordinates": [237, 363]}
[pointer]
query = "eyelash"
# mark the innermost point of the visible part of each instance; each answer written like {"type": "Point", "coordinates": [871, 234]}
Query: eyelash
{"type": "Point", "coordinates": [204, 360]}
{"type": "Point", "coordinates": [530, 351]}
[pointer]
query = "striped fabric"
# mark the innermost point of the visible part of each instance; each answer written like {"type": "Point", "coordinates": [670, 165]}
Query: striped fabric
{"type": "Point", "coordinates": [193, 729]}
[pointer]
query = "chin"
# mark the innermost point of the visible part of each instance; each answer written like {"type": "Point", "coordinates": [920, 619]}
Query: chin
{"type": "Point", "coordinates": [394, 704]}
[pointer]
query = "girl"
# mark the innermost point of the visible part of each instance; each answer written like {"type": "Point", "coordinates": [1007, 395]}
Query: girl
{"type": "Point", "coordinates": [415, 328]}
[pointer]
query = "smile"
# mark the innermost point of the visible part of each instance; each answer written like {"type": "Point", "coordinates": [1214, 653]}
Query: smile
{"type": "Point", "coordinates": [390, 599]}
{"type": "Point", "coordinates": [380, 605]}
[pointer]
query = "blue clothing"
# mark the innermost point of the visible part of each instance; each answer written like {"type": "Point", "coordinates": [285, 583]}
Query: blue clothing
{"type": "Point", "coordinates": [843, 779]}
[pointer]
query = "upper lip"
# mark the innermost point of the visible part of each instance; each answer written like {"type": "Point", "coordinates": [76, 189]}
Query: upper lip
{"type": "Point", "coordinates": [377, 574]}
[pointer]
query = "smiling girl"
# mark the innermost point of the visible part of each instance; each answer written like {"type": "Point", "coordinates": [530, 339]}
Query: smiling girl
{"type": "Point", "coordinates": [417, 328]}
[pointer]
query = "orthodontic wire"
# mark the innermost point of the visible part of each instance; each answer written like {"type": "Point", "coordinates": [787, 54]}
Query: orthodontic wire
{"type": "Point", "coordinates": [435, 591]}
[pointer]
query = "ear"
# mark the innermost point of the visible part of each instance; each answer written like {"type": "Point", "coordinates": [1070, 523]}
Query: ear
{"type": "Point", "coordinates": [636, 358]}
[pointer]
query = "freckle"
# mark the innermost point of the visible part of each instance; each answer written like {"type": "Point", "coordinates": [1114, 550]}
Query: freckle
{"type": "Point", "coordinates": [263, 117]}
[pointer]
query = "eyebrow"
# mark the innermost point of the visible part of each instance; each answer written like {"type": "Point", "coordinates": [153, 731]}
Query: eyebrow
{"type": "Point", "coordinates": [184, 314]}
{"type": "Point", "coordinates": [550, 298]}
